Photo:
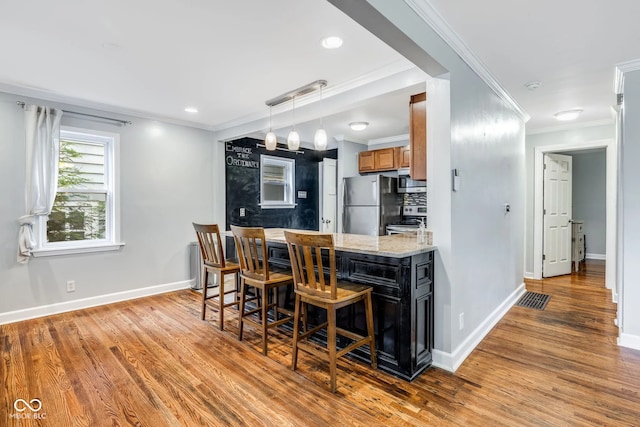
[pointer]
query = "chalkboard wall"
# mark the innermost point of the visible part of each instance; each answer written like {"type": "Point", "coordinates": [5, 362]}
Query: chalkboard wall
{"type": "Point", "coordinates": [242, 159]}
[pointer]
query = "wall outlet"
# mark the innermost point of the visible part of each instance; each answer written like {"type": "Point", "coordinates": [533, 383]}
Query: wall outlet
{"type": "Point", "coordinates": [461, 322]}
{"type": "Point", "coordinates": [243, 212]}
{"type": "Point", "coordinates": [71, 285]}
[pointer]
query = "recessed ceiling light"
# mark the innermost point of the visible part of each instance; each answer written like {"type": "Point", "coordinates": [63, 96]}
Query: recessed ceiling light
{"type": "Point", "coordinates": [331, 42]}
{"type": "Point", "coordinates": [358, 125]}
{"type": "Point", "coordinates": [568, 114]}
{"type": "Point", "coordinates": [191, 110]}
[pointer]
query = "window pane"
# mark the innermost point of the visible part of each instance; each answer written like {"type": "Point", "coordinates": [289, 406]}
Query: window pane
{"type": "Point", "coordinates": [81, 165]}
{"type": "Point", "coordinates": [77, 216]}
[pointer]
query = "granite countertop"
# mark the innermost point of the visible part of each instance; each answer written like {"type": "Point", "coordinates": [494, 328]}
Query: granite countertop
{"type": "Point", "coordinates": [395, 245]}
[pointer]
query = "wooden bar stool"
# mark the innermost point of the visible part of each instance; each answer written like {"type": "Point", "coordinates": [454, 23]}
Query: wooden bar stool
{"type": "Point", "coordinates": [307, 252]}
{"type": "Point", "coordinates": [213, 261]}
{"type": "Point", "coordinates": [254, 271]}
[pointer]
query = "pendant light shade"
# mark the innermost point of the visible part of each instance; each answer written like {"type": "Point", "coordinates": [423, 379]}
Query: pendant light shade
{"type": "Point", "coordinates": [293, 140]}
{"type": "Point", "coordinates": [270, 140]}
{"type": "Point", "coordinates": [320, 139]}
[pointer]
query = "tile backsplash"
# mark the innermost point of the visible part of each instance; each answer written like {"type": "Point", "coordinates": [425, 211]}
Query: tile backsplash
{"type": "Point", "coordinates": [417, 199]}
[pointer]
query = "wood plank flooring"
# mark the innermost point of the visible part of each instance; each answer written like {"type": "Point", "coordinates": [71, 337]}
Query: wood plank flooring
{"type": "Point", "coordinates": [153, 362]}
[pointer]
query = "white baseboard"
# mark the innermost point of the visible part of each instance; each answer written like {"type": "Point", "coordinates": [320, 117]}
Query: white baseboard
{"type": "Point", "coordinates": [61, 307]}
{"type": "Point", "coordinates": [601, 257]}
{"type": "Point", "coordinates": [528, 275]}
{"type": "Point", "coordinates": [629, 341]}
{"type": "Point", "coordinates": [452, 361]}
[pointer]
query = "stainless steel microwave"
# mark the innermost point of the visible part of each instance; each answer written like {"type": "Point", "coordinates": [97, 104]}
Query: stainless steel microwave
{"type": "Point", "coordinates": [408, 185]}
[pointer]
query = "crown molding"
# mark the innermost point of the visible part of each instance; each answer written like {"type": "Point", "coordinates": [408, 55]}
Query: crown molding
{"type": "Point", "coordinates": [389, 139]}
{"type": "Point", "coordinates": [572, 126]}
{"type": "Point", "coordinates": [432, 17]}
{"type": "Point", "coordinates": [621, 69]}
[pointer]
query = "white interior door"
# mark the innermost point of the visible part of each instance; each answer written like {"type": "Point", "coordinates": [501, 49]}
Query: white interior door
{"type": "Point", "coordinates": [556, 259]}
{"type": "Point", "coordinates": [329, 197]}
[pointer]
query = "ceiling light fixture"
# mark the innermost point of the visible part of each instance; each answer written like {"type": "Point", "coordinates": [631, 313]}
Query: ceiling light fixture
{"type": "Point", "coordinates": [270, 140]}
{"type": "Point", "coordinates": [568, 114]}
{"type": "Point", "coordinates": [358, 126]}
{"type": "Point", "coordinates": [331, 42]}
{"type": "Point", "coordinates": [533, 85]}
{"type": "Point", "coordinates": [191, 110]}
{"type": "Point", "coordinates": [320, 138]}
{"type": "Point", "coordinates": [293, 140]}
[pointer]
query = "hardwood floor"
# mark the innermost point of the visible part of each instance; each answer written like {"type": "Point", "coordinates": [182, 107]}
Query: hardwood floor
{"type": "Point", "coordinates": [153, 362]}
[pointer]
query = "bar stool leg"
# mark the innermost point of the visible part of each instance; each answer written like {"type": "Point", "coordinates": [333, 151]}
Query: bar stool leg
{"type": "Point", "coordinates": [265, 309]}
{"type": "Point", "coordinates": [296, 331]}
{"type": "Point", "coordinates": [243, 290]}
{"type": "Point", "coordinates": [331, 343]}
{"type": "Point", "coordinates": [368, 308]}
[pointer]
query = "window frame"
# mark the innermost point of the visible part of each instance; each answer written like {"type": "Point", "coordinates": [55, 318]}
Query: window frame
{"type": "Point", "coordinates": [289, 185]}
{"type": "Point", "coordinates": [111, 242]}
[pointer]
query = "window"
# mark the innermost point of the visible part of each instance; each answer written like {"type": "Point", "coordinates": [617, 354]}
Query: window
{"type": "Point", "coordinates": [84, 216]}
{"type": "Point", "coordinates": [277, 182]}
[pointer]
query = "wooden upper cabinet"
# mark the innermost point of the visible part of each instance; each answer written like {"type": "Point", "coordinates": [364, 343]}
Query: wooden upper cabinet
{"type": "Point", "coordinates": [418, 136]}
{"type": "Point", "coordinates": [385, 159]}
{"type": "Point", "coordinates": [403, 157]}
{"type": "Point", "coordinates": [366, 161]}
{"type": "Point", "coordinates": [377, 160]}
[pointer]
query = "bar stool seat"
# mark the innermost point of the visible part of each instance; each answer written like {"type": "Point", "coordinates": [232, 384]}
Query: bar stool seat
{"type": "Point", "coordinates": [254, 272]}
{"type": "Point", "coordinates": [307, 252]}
{"type": "Point", "coordinates": [213, 261]}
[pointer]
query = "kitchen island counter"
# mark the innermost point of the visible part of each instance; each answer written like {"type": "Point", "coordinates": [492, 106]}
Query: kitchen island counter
{"type": "Point", "coordinates": [395, 246]}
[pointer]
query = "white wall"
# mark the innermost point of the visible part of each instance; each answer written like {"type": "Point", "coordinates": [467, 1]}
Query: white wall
{"type": "Point", "coordinates": [630, 230]}
{"type": "Point", "coordinates": [558, 138]}
{"type": "Point", "coordinates": [166, 180]}
{"type": "Point", "coordinates": [486, 143]}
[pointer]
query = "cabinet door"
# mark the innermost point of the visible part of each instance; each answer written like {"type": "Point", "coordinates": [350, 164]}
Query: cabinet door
{"type": "Point", "coordinates": [384, 159]}
{"type": "Point", "coordinates": [403, 157]}
{"type": "Point", "coordinates": [418, 136]}
{"type": "Point", "coordinates": [366, 161]}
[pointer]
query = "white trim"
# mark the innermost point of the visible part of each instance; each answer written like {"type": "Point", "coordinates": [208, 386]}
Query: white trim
{"type": "Point", "coordinates": [528, 275]}
{"type": "Point", "coordinates": [432, 17]}
{"type": "Point", "coordinates": [572, 126]}
{"type": "Point", "coordinates": [611, 202]}
{"type": "Point", "coordinates": [390, 139]}
{"type": "Point", "coordinates": [629, 341]}
{"type": "Point", "coordinates": [54, 251]}
{"type": "Point", "coordinates": [621, 68]}
{"type": "Point", "coordinates": [600, 257]}
{"type": "Point", "coordinates": [452, 361]}
{"type": "Point", "coordinates": [62, 307]}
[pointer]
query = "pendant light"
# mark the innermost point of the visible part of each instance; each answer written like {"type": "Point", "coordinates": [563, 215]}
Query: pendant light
{"type": "Point", "coordinates": [320, 138]}
{"type": "Point", "coordinates": [270, 140]}
{"type": "Point", "coordinates": [293, 140]}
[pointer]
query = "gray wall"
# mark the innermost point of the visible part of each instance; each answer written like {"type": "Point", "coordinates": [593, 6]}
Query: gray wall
{"type": "Point", "coordinates": [589, 198]}
{"type": "Point", "coordinates": [630, 176]}
{"type": "Point", "coordinates": [165, 182]}
{"type": "Point", "coordinates": [484, 261]}
{"type": "Point", "coordinates": [557, 138]}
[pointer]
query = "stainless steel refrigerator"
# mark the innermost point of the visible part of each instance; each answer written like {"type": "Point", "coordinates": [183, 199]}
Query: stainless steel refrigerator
{"type": "Point", "coordinates": [370, 202]}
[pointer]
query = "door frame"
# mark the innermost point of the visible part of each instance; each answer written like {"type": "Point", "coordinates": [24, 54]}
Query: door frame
{"type": "Point", "coordinates": [611, 204]}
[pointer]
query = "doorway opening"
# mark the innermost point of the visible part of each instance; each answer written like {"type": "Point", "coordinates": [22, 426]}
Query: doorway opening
{"type": "Point", "coordinates": [611, 205]}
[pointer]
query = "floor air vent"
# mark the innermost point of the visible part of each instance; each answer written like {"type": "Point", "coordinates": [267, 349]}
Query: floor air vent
{"type": "Point", "coordinates": [533, 300]}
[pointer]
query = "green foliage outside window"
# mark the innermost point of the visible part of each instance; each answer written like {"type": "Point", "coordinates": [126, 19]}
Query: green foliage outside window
{"type": "Point", "coordinates": [77, 214]}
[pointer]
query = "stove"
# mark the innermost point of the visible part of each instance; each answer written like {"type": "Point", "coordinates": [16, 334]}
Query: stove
{"type": "Point", "coordinates": [411, 217]}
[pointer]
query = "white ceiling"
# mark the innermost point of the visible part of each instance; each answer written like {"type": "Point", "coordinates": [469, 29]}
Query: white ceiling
{"type": "Point", "coordinates": [154, 58]}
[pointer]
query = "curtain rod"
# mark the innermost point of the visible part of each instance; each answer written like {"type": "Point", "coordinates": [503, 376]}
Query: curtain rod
{"type": "Point", "coordinates": [119, 121]}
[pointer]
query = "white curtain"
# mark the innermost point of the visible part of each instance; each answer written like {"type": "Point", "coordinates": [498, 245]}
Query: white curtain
{"type": "Point", "coordinates": [42, 128]}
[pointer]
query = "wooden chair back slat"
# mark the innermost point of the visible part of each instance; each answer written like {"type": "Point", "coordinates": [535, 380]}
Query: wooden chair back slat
{"type": "Point", "coordinates": [306, 251]}
{"type": "Point", "coordinates": [252, 251]}
{"type": "Point", "coordinates": [210, 244]}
